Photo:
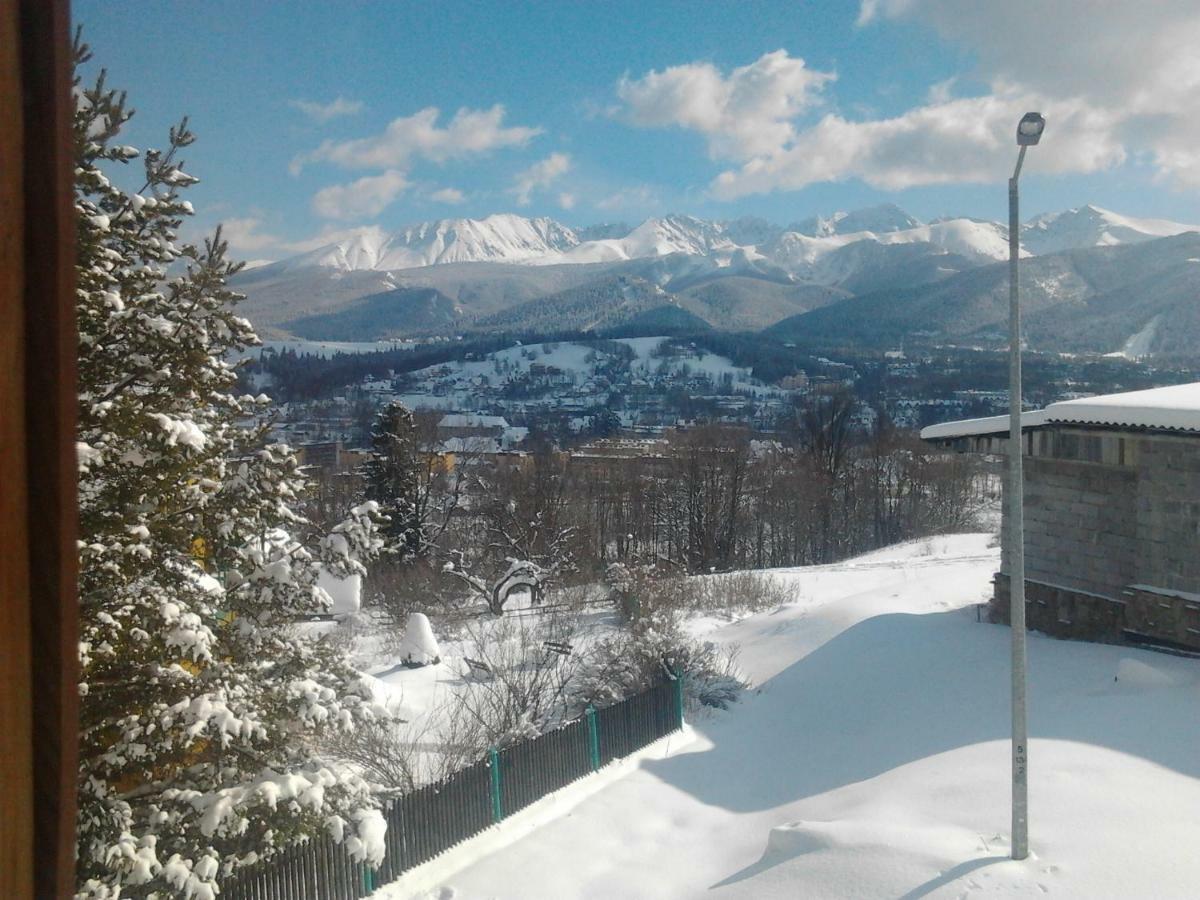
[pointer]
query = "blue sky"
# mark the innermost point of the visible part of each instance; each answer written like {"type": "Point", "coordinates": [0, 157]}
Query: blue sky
{"type": "Point", "coordinates": [316, 118]}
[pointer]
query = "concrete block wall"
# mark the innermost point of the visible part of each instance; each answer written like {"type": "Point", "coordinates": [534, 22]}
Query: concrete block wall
{"type": "Point", "coordinates": [1167, 511]}
{"type": "Point", "coordinates": [1080, 525]}
{"type": "Point", "coordinates": [1113, 549]}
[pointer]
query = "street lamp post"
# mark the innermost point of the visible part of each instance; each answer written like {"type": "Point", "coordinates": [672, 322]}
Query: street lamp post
{"type": "Point", "coordinates": [1029, 132]}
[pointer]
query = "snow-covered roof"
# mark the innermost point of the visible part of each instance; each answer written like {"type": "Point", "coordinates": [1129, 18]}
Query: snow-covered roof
{"type": "Point", "coordinates": [460, 420]}
{"type": "Point", "coordinates": [979, 427]}
{"type": "Point", "coordinates": [470, 445]}
{"type": "Point", "coordinates": [1173, 408]}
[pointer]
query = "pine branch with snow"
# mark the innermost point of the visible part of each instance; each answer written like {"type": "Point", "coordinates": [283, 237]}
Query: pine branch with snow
{"type": "Point", "coordinates": [202, 706]}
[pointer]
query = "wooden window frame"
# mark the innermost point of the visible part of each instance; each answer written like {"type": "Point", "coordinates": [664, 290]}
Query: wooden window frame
{"type": "Point", "coordinates": [38, 514]}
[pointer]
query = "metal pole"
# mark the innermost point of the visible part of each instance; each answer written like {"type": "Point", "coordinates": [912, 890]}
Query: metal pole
{"type": "Point", "coordinates": [1016, 533]}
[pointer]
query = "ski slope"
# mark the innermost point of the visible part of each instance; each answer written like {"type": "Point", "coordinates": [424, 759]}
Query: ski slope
{"type": "Point", "coordinates": [872, 760]}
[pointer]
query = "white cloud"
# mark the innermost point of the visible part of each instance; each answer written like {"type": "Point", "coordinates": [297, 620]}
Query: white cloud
{"type": "Point", "coordinates": [1116, 81]}
{"type": "Point", "coordinates": [962, 140]}
{"type": "Point", "coordinates": [470, 132]}
{"type": "Point", "coordinates": [365, 197]}
{"type": "Point", "coordinates": [942, 91]}
{"type": "Point", "coordinates": [566, 201]}
{"type": "Point", "coordinates": [244, 236]}
{"type": "Point", "coordinates": [332, 235]}
{"type": "Point", "coordinates": [637, 198]}
{"type": "Point", "coordinates": [449, 195]}
{"type": "Point", "coordinates": [540, 175]}
{"type": "Point", "coordinates": [324, 112]}
{"type": "Point", "coordinates": [745, 114]}
{"type": "Point", "coordinates": [1134, 65]}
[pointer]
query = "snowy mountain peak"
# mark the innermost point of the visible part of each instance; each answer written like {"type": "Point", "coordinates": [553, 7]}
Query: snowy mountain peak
{"type": "Point", "coordinates": [1093, 226]}
{"type": "Point", "coordinates": [502, 237]}
{"type": "Point", "coordinates": [880, 219]}
{"type": "Point", "coordinates": [677, 234]}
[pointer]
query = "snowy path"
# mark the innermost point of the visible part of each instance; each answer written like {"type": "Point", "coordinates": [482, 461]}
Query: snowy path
{"type": "Point", "coordinates": [872, 761]}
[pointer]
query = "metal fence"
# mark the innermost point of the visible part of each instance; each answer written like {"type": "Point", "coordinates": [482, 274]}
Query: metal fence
{"type": "Point", "coordinates": [434, 818]}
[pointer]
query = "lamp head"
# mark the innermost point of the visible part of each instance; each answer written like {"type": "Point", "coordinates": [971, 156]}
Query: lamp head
{"type": "Point", "coordinates": [1030, 128]}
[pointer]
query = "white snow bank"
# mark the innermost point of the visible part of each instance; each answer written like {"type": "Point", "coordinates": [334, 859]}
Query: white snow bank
{"type": "Point", "coordinates": [873, 761]}
{"type": "Point", "coordinates": [1138, 674]}
{"type": "Point", "coordinates": [526, 822]}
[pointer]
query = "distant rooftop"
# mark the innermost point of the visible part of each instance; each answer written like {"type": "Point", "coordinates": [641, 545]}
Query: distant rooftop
{"type": "Point", "coordinates": [461, 420]}
{"type": "Point", "coordinates": [979, 427]}
{"type": "Point", "coordinates": [1173, 408]}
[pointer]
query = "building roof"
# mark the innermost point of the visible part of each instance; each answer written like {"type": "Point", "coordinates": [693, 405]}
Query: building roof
{"type": "Point", "coordinates": [470, 446]}
{"type": "Point", "coordinates": [461, 420]}
{"type": "Point", "coordinates": [980, 427]}
{"type": "Point", "coordinates": [1173, 408]}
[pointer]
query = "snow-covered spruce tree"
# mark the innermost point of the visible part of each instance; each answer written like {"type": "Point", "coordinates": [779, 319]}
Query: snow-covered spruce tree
{"type": "Point", "coordinates": [392, 476]}
{"type": "Point", "coordinates": [201, 705]}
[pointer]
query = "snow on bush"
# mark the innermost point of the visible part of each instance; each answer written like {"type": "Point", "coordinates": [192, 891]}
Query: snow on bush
{"type": "Point", "coordinates": [419, 647]}
{"type": "Point", "coordinates": [653, 647]}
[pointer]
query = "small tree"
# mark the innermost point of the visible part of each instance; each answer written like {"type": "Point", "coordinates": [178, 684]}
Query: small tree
{"type": "Point", "coordinates": [392, 476]}
{"type": "Point", "coordinates": [202, 710]}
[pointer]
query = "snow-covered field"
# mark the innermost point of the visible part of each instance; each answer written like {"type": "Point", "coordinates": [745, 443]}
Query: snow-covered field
{"type": "Point", "coordinates": [459, 381]}
{"type": "Point", "coordinates": [872, 760]}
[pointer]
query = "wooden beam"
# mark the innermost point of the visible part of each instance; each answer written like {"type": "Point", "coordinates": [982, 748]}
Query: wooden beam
{"type": "Point", "coordinates": [50, 398]}
{"type": "Point", "coordinates": [16, 708]}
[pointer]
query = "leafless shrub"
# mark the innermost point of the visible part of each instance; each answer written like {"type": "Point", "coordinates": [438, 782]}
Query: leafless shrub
{"type": "Point", "coordinates": [735, 592]}
{"type": "Point", "coordinates": [526, 688]}
{"type": "Point", "coordinates": [643, 591]}
{"type": "Point", "coordinates": [384, 757]}
{"type": "Point", "coordinates": [399, 756]}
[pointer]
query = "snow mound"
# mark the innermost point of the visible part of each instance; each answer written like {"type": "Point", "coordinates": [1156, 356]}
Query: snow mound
{"type": "Point", "coordinates": [897, 837]}
{"type": "Point", "coordinates": [419, 647]}
{"type": "Point", "coordinates": [1135, 673]}
{"type": "Point", "coordinates": [903, 849]}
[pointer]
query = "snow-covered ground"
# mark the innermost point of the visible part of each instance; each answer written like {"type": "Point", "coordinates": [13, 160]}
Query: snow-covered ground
{"type": "Point", "coordinates": [872, 760]}
{"type": "Point", "coordinates": [459, 381]}
{"type": "Point", "coordinates": [425, 697]}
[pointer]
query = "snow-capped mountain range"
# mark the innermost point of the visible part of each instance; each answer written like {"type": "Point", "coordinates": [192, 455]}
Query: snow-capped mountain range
{"type": "Point", "coordinates": [797, 249]}
{"type": "Point", "coordinates": [538, 275]}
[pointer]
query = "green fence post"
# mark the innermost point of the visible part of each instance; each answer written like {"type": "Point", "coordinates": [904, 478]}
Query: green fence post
{"type": "Point", "coordinates": [368, 879]}
{"type": "Point", "coordinates": [593, 727]}
{"type": "Point", "coordinates": [494, 765]}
